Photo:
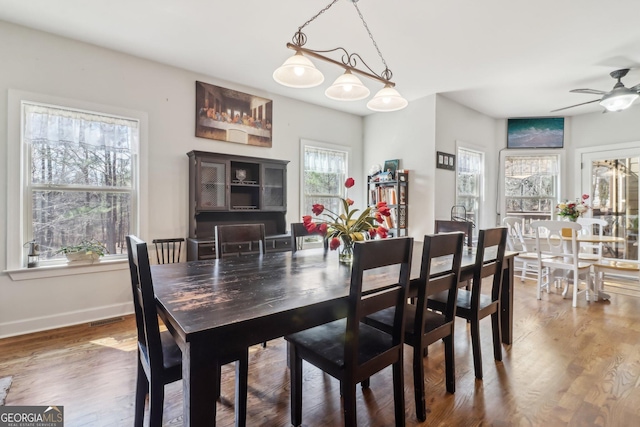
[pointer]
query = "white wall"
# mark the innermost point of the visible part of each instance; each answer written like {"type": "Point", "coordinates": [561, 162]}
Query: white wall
{"type": "Point", "coordinates": [457, 124]}
{"type": "Point", "coordinates": [37, 62]}
{"type": "Point", "coordinates": [408, 135]}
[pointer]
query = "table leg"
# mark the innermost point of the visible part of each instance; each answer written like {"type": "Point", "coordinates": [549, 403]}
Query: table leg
{"type": "Point", "coordinates": [506, 301]}
{"type": "Point", "coordinates": [199, 384]}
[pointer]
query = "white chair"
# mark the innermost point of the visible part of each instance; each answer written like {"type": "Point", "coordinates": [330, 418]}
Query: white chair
{"type": "Point", "coordinates": [526, 262]}
{"type": "Point", "coordinates": [591, 251]}
{"type": "Point", "coordinates": [561, 252]}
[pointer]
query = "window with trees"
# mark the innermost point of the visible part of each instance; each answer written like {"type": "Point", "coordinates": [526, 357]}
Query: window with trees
{"type": "Point", "coordinates": [81, 177]}
{"type": "Point", "coordinates": [324, 174]}
{"type": "Point", "coordinates": [469, 184]}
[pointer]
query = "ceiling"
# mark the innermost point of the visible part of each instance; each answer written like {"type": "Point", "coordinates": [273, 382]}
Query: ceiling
{"type": "Point", "coordinates": [503, 58]}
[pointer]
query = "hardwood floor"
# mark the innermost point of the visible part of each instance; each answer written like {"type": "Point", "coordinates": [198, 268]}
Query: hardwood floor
{"type": "Point", "coordinates": [566, 367]}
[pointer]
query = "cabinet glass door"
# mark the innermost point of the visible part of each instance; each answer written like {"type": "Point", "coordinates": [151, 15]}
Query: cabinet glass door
{"type": "Point", "coordinates": [274, 188]}
{"type": "Point", "coordinates": [213, 188]}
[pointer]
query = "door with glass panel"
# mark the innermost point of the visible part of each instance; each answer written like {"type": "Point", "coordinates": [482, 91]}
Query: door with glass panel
{"type": "Point", "coordinates": [612, 181]}
{"type": "Point", "coordinates": [469, 185]}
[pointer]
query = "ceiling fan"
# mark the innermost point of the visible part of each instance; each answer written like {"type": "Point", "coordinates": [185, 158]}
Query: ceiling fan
{"type": "Point", "coordinates": [617, 99]}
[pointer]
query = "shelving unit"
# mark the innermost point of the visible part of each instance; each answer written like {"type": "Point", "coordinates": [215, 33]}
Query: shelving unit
{"type": "Point", "coordinates": [396, 193]}
{"type": "Point", "coordinates": [227, 189]}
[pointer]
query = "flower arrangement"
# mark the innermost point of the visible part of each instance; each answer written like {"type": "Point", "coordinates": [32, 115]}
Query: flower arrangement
{"type": "Point", "coordinates": [573, 210]}
{"type": "Point", "coordinates": [87, 249]}
{"type": "Point", "coordinates": [347, 227]}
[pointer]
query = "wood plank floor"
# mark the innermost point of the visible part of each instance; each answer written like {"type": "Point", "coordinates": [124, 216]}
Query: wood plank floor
{"type": "Point", "coordinates": [566, 367]}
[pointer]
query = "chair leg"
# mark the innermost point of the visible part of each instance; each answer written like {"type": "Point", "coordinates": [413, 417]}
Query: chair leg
{"type": "Point", "coordinates": [398, 393]}
{"type": "Point", "coordinates": [156, 402]}
{"type": "Point", "coordinates": [349, 403]}
{"type": "Point", "coordinates": [450, 363]}
{"type": "Point", "coordinates": [242, 372]}
{"type": "Point", "coordinates": [142, 388]}
{"type": "Point", "coordinates": [497, 335]}
{"type": "Point", "coordinates": [295, 373]}
{"type": "Point", "coordinates": [475, 344]}
{"type": "Point", "coordinates": [217, 387]}
{"type": "Point", "coordinates": [418, 384]}
{"type": "Point", "coordinates": [366, 383]}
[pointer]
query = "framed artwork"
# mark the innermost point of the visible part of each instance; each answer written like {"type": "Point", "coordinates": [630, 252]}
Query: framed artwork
{"type": "Point", "coordinates": [228, 115]}
{"type": "Point", "coordinates": [391, 166]}
{"type": "Point", "coordinates": [536, 132]}
{"type": "Point", "coordinates": [445, 161]}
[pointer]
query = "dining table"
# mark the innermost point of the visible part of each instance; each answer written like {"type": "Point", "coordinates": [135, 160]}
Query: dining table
{"type": "Point", "coordinates": [217, 307]}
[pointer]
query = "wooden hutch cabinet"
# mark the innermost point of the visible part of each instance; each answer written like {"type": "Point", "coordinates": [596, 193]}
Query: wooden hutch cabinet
{"type": "Point", "coordinates": [228, 189]}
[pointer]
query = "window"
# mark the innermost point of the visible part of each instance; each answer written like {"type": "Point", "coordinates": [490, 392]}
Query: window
{"type": "Point", "coordinates": [323, 175]}
{"type": "Point", "coordinates": [531, 186]}
{"type": "Point", "coordinates": [81, 177]}
{"type": "Point", "coordinates": [469, 185]}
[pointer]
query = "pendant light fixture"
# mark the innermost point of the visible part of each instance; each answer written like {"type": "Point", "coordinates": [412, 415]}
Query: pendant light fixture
{"type": "Point", "coordinates": [299, 72]}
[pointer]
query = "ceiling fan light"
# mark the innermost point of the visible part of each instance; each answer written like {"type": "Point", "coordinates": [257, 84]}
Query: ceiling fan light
{"type": "Point", "coordinates": [620, 98]}
{"type": "Point", "coordinates": [298, 72]}
{"type": "Point", "coordinates": [347, 87]}
{"type": "Point", "coordinates": [387, 99]}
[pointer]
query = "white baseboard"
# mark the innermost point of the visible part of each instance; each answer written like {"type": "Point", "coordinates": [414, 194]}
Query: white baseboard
{"type": "Point", "coordinates": [37, 324]}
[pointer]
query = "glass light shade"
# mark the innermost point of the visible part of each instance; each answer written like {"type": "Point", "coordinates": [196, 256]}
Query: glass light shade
{"type": "Point", "coordinates": [387, 99]}
{"type": "Point", "coordinates": [619, 99]}
{"type": "Point", "coordinates": [299, 72]}
{"type": "Point", "coordinates": [347, 87]}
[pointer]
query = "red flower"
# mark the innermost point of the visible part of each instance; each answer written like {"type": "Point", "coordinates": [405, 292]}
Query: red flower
{"type": "Point", "coordinates": [349, 201]}
{"type": "Point", "coordinates": [384, 210]}
{"type": "Point", "coordinates": [334, 243]}
{"type": "Point", "coordinates": [379, 218]}
{"type": "Point", "coordinates": [349, 183]}
{"type": "Point", "coordinates": [322, 228]}
{"type": "Point", "coordinates": [585, 196]}
{"type": "Point", "coordinates": [381, 204]}
{"type": "Point", "coordinates": [310, 226]}
{"type": "Point", "coordinates": [372, 232]}
{"type": "Point", "coordinates": [306, 219]}
{"type": "Point", "coordinates": [382, 232]}
{"type": "Point", "coordinates": [317, 209]}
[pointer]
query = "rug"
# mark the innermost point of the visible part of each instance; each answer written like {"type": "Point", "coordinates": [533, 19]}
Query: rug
{"type": "Point", "coordinates": [5, 384]}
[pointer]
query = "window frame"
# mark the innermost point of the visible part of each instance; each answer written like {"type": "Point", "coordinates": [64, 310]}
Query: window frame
{"type": "Point", "coordinates": [477, 216]}
{"type": "Point", "coordinates": [18, 204]}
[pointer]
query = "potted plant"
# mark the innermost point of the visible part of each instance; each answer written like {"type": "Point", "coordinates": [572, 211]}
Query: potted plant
{"type": "Point", "coordinates": [86, 250]}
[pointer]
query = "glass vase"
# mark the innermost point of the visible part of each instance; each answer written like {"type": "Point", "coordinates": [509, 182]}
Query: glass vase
{"type": "Point", "coordinates": [346, 251]}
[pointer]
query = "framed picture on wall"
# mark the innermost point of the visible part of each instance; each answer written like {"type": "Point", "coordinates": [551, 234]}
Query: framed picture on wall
{"type": "Point", "coordinates": [391, 166]}
{"type": "Point", "coordinates": [232, 116]}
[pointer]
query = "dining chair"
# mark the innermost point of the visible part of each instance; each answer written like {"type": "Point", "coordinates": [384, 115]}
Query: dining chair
{"type": "Point", "coordinates": [350, 350]}
{"type": "Point", "coordinates": [422, 326]}
{"type": "Point", "coordinates": [448, 226]}
{"type": "Point", "coordinates": [168, 250]}
{"type": "Point", "coordinates": [159, 357]}
{"type": "Point", "coordinates": [591, 251]}
{"type": "Point", "coordinates": [527, 259]}
{"type": "Point", "coordinates": [298, 233]}
{"type": "Point", "coordinates": [240, 239]}
{"type": "Point", "coordinates": [558, 241]}
{"type": "Point", "coordinates": [474, 305]}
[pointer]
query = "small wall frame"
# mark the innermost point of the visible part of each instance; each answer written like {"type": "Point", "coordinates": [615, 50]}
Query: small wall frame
{"type": "Point", "coordinates": [445, 161]}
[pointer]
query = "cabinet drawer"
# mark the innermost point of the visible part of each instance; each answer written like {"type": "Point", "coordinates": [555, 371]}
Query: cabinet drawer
{"type": "Point", "coordinates": [278, 244]}
{"type": "Point", "coordinates": [236, 247]}
{"type": "Point", "coordinates": [206, 250]}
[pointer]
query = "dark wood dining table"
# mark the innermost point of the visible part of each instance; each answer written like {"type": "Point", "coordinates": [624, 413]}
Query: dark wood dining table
{"type": "Point", "coordinates": [215, 307]}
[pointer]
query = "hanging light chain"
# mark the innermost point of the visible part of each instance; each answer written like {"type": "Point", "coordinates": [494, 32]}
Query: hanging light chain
{"type": "Point", "coordinates": [317, 14]}
{"type": "Point", "coordinates": [387, 72]}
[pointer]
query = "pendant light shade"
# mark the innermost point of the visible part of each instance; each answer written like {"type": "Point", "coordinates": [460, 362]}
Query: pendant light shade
{"type": "Point", "coordinates": [347, 87]}
{"type": "Point", "coordinates": [387, 99]}
{"type": "Point", "coordinates": [619, 99]}
{"type": "Point", "coordinates": [298, 72]}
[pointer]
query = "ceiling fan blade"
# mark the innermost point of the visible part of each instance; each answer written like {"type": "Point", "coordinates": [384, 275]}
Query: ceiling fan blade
{"type": "Point", "coordinates": [589, 91]}
{"type": "Point", "coordinates": [577, 105]}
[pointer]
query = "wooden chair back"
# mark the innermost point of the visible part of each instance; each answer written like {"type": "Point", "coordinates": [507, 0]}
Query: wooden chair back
{"type": "Point", "coordinates": [144, 303]}
{"type": "Point", "coordinates": [168, 250]}
{"type": "Point", "coordinates": [240, 239]}
{"type": "Point", "coordinates": [448, 226]}
{"type": "Point", "coordinates": [367, 256]}
{"type": "Point", "coordinates": [298, 233]}
{"type": "Point", "coordinates": [490, 250]}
